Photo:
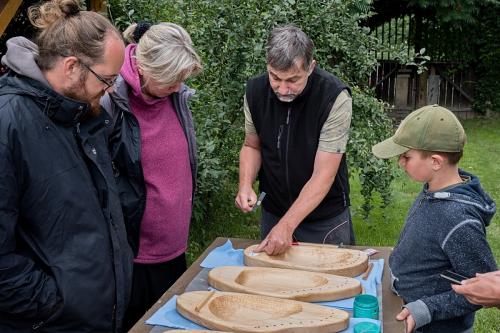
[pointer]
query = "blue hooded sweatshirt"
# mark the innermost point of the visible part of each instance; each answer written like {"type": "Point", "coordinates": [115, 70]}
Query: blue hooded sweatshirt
{"type": "Point", "coordinates": [444, 230]}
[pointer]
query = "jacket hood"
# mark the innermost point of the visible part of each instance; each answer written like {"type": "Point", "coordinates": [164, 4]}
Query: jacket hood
{"type": "Point", "coordinates": [130, 74]}
{"type": "Point", "coordinates": [470, 193]}
{"type": "Point", "coordinates": [57, 107]}
{"type": "Point", "coordinates": [27, 79]}
{"type": "Point", "coordinates": [129, 70]}
{"type": "Point", "coordinates": [21, 58]}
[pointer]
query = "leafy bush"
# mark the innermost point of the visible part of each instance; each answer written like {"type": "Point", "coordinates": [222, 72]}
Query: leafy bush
{"type": "Point", "coordinates": [370, 125]}
{"type": "Point", "coordinates": [230, 37]}
{"type": "Point", "coordinates": [488, 70]}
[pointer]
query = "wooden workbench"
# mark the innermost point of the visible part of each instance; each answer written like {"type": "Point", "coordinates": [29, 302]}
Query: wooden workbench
{"type": "Point", "coordinates": [391, 304]}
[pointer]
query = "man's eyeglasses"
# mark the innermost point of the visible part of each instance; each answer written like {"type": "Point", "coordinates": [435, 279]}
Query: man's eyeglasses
{"type": "Point", "coordinates": [108, 83]}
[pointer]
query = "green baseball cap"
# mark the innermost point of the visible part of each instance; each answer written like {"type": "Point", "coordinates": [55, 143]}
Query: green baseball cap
{"type": "Point", "coordinates": [431, 128]}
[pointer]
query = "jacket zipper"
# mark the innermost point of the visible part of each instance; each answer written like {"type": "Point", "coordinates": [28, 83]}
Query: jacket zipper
{"type": "Point", "coordinates": [287, 176]}
{"type": "Point", "coordinates": [37, 325]}
{"type": "Point", "coordinates": [279, 139]}
{"type": "Point", "coordinates": [113, 317]}
{"type": "Point", "coordinates": [183, 105]}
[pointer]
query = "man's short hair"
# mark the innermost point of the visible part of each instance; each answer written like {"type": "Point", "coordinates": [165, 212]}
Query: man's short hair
{"type": "Point", "coordinates": [66, 30]}
{"type": "Point", "coordinates": [286, 45]}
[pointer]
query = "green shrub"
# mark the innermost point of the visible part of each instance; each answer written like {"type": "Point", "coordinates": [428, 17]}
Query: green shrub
{"type": "Point", "coordinates": [488, 71]}
{"type": "Point", "coordinates": [230, 37]}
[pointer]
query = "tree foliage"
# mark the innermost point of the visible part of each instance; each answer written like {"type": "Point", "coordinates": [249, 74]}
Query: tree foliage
{"type": "Point", "coordinates": [487, 68]}
{"type": "Point", "coordinates": [230, 37]}
{"type": "Point", "coordinates": [456, 13]}
{"type": "Point", "coordinates": [466, 31]}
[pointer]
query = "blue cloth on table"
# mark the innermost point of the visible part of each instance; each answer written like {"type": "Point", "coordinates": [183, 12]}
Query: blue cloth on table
{"type": "Point", "coordinates": [370, 285]}
{"type": "Point", "coordinates": [226, 255]}
{"type": "Point", "coordinates": [168, 316]}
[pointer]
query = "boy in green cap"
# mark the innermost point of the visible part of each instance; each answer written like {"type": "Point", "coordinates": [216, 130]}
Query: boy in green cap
{"type": "Point", "coordinates": [445, 228]}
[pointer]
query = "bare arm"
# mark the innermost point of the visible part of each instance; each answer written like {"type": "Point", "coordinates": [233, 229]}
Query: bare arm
{"type": "Point", "coordinates": [250, 162]}
{"type": "Point", "coordinates": [484, 289]}
{"type": "Point", "coordinates": [314, 191]}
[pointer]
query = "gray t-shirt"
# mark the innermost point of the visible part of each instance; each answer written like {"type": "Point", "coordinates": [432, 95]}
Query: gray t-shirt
{"type": "Point", "coordinates": [335, 131]}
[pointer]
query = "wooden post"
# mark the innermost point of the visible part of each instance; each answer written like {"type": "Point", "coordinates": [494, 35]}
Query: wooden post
{"type": "Point", "coordinates": [98, 6]}
{"type": "Point", "coordinates": [433, 83]}
{"type": "Point", "coordinates": [402, 86]}
{"type": "Point", "coordinates": [421, 97]}
{"type": "Point", "coordinates": [8, 9]}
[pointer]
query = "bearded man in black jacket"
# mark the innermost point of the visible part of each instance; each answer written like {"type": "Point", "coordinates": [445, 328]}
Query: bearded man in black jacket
{"type": "Point", "coordinates": [65, 264]}
{"type": "Point", "coordinates": [297, 119]}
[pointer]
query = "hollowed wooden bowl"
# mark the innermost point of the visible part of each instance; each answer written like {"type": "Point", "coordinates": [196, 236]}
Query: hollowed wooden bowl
{"type": "Point", "coordinates": [237, 312]}
{"type": "Point", "coordinates": [284, 283]}
{"type": "Point", "coordinates": [192, 331]}
{"type": "Point", "coordinates": [313, 258]}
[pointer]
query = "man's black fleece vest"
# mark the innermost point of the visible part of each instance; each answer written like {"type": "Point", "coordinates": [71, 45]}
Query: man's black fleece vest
{"type": "Point", "coordinates": [289, 135]}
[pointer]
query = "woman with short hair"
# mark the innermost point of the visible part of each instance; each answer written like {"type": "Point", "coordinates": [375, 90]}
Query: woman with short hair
{"type": "Point", "coordinates": [154, 155]}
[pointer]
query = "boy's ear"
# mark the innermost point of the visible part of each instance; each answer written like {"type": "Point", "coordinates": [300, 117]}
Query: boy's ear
{"type": "Point", "coordinates": [437, 161]}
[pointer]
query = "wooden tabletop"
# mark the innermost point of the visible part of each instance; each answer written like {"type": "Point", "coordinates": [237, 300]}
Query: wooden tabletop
{"type": "Point", "coordinates": [391, 304]}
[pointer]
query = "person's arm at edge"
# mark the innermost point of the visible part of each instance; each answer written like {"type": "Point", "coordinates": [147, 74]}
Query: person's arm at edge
{"type": "Point", "coordinates": [250, 163]}
{"type": "Point", "coordinates": [483, 289]}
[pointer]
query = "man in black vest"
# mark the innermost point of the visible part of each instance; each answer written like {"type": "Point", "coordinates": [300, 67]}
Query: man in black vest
{"type": "Point", "coordinates": [297, 119]}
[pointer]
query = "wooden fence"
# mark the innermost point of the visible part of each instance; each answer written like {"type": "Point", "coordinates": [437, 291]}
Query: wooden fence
{"type": "Point", "coordinates": [405, 90]}
{"type": "Point", "coordinates": [444, 83]}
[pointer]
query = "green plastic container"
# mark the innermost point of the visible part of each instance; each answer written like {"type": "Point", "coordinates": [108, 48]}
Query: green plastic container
{"type": "Point", "coordinates": [365, 306]}
{"type": "Point", "coordinates": [366, 327]}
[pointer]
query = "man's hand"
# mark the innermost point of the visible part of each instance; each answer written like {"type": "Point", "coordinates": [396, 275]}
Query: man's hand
{"type": "Point", "coordinates": [246, 199]}
{"type": "Point", "coordinates": [484, 289]}
{"type": "Point", "coordinates": [250, 161]}
{"type": "Point", "coordinates": [409, 321]}
{"type": "Point", "coordinates": [278, 240]}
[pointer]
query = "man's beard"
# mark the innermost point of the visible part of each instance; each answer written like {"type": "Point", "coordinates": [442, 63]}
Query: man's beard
{"type": "Point", "coordinates": [79, 93]}
{"type": "Point", "coordinates": [285, 98]}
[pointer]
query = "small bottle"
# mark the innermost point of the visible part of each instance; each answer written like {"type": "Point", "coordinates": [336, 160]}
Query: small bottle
{"type": "Point", "coordinates": [365, 306]}
{"type": "Point", "coordinates": [366, 327]}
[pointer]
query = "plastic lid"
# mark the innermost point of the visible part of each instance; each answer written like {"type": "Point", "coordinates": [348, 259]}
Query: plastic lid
{"type": "Point", "coordinates": [366, 327]}
{"type": "Point", "coordinates": [366, 301]}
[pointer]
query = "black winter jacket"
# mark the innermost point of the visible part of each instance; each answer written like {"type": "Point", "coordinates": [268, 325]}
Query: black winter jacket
{"type": "Point", "coordinates": [65, 264]}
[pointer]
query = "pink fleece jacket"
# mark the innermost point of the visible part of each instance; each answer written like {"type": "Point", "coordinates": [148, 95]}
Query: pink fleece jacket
{"type": "Point", "coordinates": [167, 172]}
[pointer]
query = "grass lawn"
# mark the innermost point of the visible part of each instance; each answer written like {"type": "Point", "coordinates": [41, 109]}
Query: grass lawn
{"type": "Point", "coordinates": [481, 157]}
